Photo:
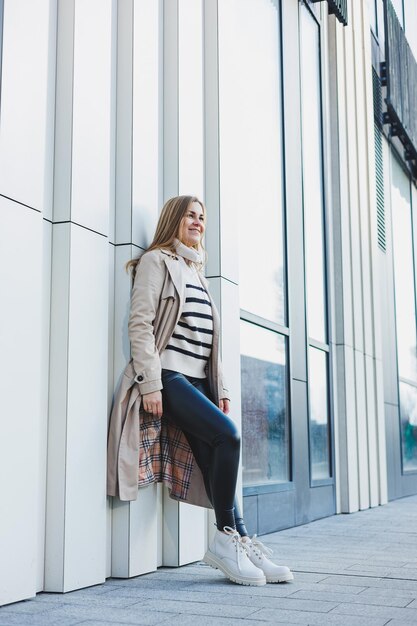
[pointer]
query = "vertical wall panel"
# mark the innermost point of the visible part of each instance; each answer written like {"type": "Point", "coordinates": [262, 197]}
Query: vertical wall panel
{"type": "Point", "coordinates": [20, 386]}
{"type": "Point", "coordinates": [24, 97]}
{"type": "Point", "coordinates": [124, 112]}
{"type": "Point", "coordinates": [191, 110]}
{"type": "Point", "coordinates": [91, 114]}
{"type": "Point", "coordinates": [44, 390]}
{"type": "Point", "coordinates": [77, 411]}
{"type": "Point", "coordinates": [146, 134]}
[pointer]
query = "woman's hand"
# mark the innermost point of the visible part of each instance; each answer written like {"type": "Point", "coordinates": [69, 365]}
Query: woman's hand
{"type": "Point", "coordinates": [152, 403]}
{"type": "Point", "coordinates": [224, 405]}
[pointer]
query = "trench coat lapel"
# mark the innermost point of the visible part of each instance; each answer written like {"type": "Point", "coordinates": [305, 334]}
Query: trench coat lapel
{"type": "Point", "coordinates": [177, 276]}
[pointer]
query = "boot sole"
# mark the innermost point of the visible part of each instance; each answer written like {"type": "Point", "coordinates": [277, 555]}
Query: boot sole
{"type": "Point", "coordinates": [213, 561]}
{"type": "Point", "coordinates": [280, 579]}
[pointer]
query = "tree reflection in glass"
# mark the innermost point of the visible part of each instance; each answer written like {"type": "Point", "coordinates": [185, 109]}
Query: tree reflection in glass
{"type": "Point", "coordinates": [264, 406]}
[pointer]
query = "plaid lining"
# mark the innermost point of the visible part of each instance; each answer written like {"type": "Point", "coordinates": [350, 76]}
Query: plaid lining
{"type": "Point", "coordinates": [164, 455]}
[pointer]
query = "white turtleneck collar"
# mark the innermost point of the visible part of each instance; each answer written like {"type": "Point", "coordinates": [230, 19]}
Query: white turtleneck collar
{"type": "Point", "coordinates": [188, 253]}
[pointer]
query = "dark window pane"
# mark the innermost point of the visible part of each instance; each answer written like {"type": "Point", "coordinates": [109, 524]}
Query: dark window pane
{"type": "Point", "coordinates": [405, 313]}
{"type": "Point", "coordinates": [408, 413]}
{"type": "Point", "coordinates": [265, 431]}
{"type": "Point", "coordinates": [312, 176]}
{"type": "Point", "coordinates": [319, 415]}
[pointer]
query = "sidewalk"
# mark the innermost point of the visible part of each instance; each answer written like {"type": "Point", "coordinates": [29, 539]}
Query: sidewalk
{"type": "Point", "coordinates": [358, 569]}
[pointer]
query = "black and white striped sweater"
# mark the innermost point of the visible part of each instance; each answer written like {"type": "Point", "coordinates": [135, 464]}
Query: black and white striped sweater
{"type": "Point", "coordinates": [189, 347]}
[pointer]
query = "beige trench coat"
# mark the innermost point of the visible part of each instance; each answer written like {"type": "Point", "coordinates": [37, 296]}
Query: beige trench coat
{"type": "Point", "coordinates": [156, 304]}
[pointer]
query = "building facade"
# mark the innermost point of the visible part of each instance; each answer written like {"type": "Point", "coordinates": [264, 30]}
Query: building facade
{"type": "Point", "coordinates": [295, 122]}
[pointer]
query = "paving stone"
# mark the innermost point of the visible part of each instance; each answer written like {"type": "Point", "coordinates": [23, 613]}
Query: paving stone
{"type": "Point", "coordinates": [190, 620]}
{"type": "Point", "coordinates": [360, 581]}
{"type": "Point", "coordinates": [381, 600]}
{"type": "Point", "coordinates": [408, 615]}
{"type": "Point", "coordinates": [376, 592]}
{"type": "Point", "coordinates": [78, 614]}
{"type": "Point", "coordinates": [315, 619]}
{"type": "Point", "coordinates": [197, 608]}
{"type": "Point", "coordinates": [48, 618]}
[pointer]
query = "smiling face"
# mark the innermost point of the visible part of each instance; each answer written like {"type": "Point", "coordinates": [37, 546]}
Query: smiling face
{"type": "Point", "coordinates": [192, 225]}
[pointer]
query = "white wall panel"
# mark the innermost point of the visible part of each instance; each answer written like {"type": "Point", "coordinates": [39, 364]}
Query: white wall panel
{"type": "Point", "coordinates": [77, 411]}
{"type": "Point", "coordinates": [347, 430]}
{"type": "Point", "coordinates": [20, 388]}
{"type": "Point", "coordinates": [124, 113]}
{"type": "Point", "coordinates": [146, 134]}
{"type": "Point", "coordinates": [190, 104]}
{"type": "Point", "coordinates": [134, 534]}
{"type": "Point", "coordinates": [362, 429]}
{"type": "Point", "coordinates": [44, 390]}
{"type": "Point", "coordinates": [92, 114]}
{"type": "Point", "coordinates": [25, 94]}
{"type": "Point", "coordinates": [184, 533]}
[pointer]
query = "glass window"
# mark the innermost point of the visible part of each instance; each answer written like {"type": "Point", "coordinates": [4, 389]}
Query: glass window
{"type": "Point", "coordinates": [372, 14]}
{"type": "Point", "coordinates": [265, 430]}
{"type": "Point", "coordinates": [251, 149]}
{"type": "Point", "coordinates": [319, 415]}
{"type": "Point", "coordinates": [405, 312]}
{"type": "Point", "coordinates": [410, 10]}
{"type": "Point", "coordinates": [312, 175]}
{"type": "Point", "coordinates": [408, 415]}
{"type": "Point", "coordinates": [190, 101]}
{"type": "Point", "coordinates": [398, 6]}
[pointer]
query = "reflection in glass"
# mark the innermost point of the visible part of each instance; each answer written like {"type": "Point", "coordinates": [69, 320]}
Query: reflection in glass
{"type": "Point", "coordinates": [312, 176]}
{"type": "Point", "coordinates": [265, 432]}
{"type": "Point", "coordinates": [408, 416]}
{"type": "Point", "coordinates": [190, 98]}
{"type": "Point", "coordinates": [398, 6]}
{"type": "Point", "coordinates": [319, 415]}
{"type": "Point", "coordinates": [403, 274]}
{"type": "Point", "coordinates": [410, 11]}
{"type": "Point", "coordinates": [372, 14]}
{"type": "Point", "coordinates": [251, 191]}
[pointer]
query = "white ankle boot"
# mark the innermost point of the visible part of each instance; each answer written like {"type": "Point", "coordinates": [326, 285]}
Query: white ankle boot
{"type": "Point", "coordinates": [227, 554]}
{"type": "Point", "coordinates": [257, 553]}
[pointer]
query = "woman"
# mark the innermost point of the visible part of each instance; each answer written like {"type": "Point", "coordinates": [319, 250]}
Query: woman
{"type": "Point", "coordinates": [185, 429]}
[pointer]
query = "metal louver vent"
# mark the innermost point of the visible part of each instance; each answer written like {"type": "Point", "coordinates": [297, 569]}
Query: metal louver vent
{"type": "Point", "coordinates": [379, 164]}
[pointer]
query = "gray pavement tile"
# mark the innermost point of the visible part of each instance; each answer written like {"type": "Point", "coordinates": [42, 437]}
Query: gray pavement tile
{"type": "Point", "coordinates": [226, 586]}
{"type": "Point", "coordinates": [322, 587]}
{"type": "Point", "coordinates": [394, 583]}
{"type": "Point", "coordinates": [46, 619]}
{"type": "Point", "coordinates": [412, 605]}
{"type": "Point", "coordinates": [143, 582]}
{"type": "Point", "coordinates": [196, 608]}
{"type": "Point", "coordinates": [380, 600]}
{"type": "Point", "coordinates": [190, 620]}
{"type": "Point", "coordinates": [315, 619]}
{"type": "Point", "coordinates": [79, 613]}
{"type": "Point", "coordinates": [25, 606]}
{"type": "Point", "coordinates": [387, 612]}
{"type": "Point", "coordinates": [398, 622]}
{"type": "Point", "coordinates": [104, 600]}
{"type": "Point", "coordinates": [376, 592]}
{"type": "Point", "coordinates": [360, 581]}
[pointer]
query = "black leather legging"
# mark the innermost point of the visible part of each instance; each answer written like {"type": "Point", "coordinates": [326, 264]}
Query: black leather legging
{"type": "Point", "coordinates": [213, 438]}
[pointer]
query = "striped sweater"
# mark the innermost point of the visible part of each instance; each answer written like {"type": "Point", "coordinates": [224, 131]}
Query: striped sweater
{"type": "Point", "coordinates": [189, 347]}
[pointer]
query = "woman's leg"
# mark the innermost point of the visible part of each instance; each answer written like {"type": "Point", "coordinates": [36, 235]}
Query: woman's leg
{"type": "Point", "coordinates": [202, 454]}
{"type": "Point", "coordinates": [202, 421]}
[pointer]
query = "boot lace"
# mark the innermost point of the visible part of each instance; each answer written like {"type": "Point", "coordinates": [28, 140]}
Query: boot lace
{"type": "Point", "coordinates": [241, 549]}
{"type": "Point", "coordinates": [260, 548]}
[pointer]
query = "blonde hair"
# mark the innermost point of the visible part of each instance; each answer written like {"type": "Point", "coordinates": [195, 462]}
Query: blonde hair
{"type": "Point", "coordinates": [168, 228]}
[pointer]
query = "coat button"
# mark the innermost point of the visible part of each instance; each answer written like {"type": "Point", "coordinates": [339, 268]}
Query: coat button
{"type": "Point", "coordinates": [140, 378]}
